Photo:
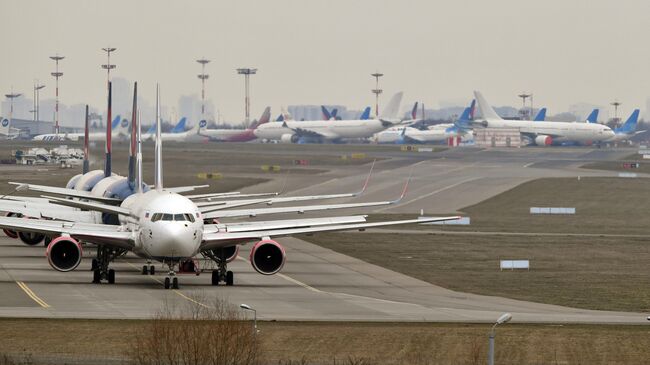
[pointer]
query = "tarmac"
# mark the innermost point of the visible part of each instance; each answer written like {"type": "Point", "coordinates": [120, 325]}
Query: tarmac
{"type": "Point", "coordinates": [318, 284]}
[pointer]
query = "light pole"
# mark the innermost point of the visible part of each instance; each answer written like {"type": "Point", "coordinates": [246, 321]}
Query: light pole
{"type": "Point", "coordinates": [505, 318]}
{"type": "Point", "coordinates": [203, 76]}
{"type": "Point", "coordinates": [37, 89]}
{"type": "Point", "coordinates": [523, 97]}
{"type": "Point", "coordinates": [108, 67]}
{"type": "Point", "coordinates": [56, 75]}
{"type": "Point", "coordinates": [247, 307]}
{"type": "Point", "coordinates": [11, 98]}
{"type": "Point", "coordinates": [377, 91]}
{"type": "Point", "coordinates": [616, 104]}
{"type": "Point", "coordinates": [247, 72]}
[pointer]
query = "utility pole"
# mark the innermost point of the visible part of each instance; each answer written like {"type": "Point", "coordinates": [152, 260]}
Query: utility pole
{"type": "Point", "coordinates": [616, 104]}
{"type": "Point", "coordinates": [377, 91]}
{"type": "Point", "coordinates": [56, 75]}
{"type": "Point", "coordinates": [523, 97]}
{"type": "Point", "coordinates": [247, 103]}
{"type": "Point", "coordinates": [108, 66]}
{"type": "Point", "coordinates": [11, 98]}
{"type": "Point", "coordinates": [37, 90]}
{"type": "Point", "coordinates": [203, 76]}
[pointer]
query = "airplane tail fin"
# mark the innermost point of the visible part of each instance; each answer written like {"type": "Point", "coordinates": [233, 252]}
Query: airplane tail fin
{"type": "Point", "coordinates": [180, 126]}
{"type": "Point", "coordinates": [486, 110]}
{"type": "Point", "coordinates": [541, 115]}
{"type": "Point", "coordinates": [630, 124]}
{"type": "Point", "coordinates": [464, 121]}
{"type": "Point", "coordinates": [414, 111]}
{"type": "Point", "coordinates": [280, 118]}
{"type": "Point", "coordinates": [109, 134]}
{"type": "Point", "coordinates": [5, 127]}
{"type": "Point", "coordinates": [392, 108]}
{"type": "Point", "coordinates": [326, 113]}
{"type": "Point", "coordinates": [158, 172]}
{"type": "Point", "coordinates": [335, 113]}
{"type": "Point", "coordinates": [86, 162]}
{"type": "Point", "coordinates": [116, 122]}
{"type": "Point", "coordinates": [265, 118]}
{"type": "Point", "coordinates": [366, 113]}
{"type": "Point", "coordinates": [593, 116]}
{"type": "Point", "coordinates": [134, 140]}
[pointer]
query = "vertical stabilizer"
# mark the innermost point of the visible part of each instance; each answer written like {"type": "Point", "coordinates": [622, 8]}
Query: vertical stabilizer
{"type": "Point", "coordinates": [86, 163]}
{"type": "Point", "coordinates": [414, 112]}
{"type": "Point", "coordinates": [487, 111]}
{"type": "Point", "coordinates": [630, 123]}
{"type": "Point", "coordinates": [109, 133]}
{"type": "Point", "coordinates": [593, 117]}
{"type": "Point", "coordinates": [392, 108]}
{"type": "Point", "coordinates": [158, 177]}
{"type": "Point", "coordinates": [366, 114]}
{"type": "Point", "coordinates": [541, 115]}
{"type": "Point", "coordinates": [265, 118]}
{"type": "Point", "coordinates": [134, 138]}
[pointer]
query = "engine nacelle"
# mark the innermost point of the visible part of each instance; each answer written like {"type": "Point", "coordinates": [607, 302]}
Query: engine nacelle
{"type": "Point", "coordinates": [31, 238]}
{"type": "Point", "coordinates": [289, 138]}
{"type": "Point", "coordinates": [543, 140]}
{"type": "Point", "coordinates": [64, 253]}
{"type": "Point", "coordinates": [8, 232]}
{"type": "Point", "coordinates": [267, 257]}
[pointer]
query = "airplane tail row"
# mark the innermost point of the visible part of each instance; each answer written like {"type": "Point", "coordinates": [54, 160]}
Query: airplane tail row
{"type": "Point", "coordinates": [630, 124]}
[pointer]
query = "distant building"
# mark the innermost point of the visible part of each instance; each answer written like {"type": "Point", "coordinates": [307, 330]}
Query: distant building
{"type": "Point", "coordinates": [28, 128]}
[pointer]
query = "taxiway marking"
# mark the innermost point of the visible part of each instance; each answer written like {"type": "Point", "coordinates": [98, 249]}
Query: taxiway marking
{"type": "Point", "coordinates": [32, 295]}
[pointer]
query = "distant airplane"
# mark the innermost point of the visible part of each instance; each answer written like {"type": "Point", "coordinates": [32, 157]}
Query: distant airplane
{"type": "Point", "coordinates": [151, 132]}
{"type": "Point", "coordinates": [118, 125]}
{"type": "Point", "coordinates": [332, 130]}
{"type": "Point", "coordinates": [543, 134]}
{"type": "Point", "coordinates": [237, 135]}
{"type": "Point", "coordinates": [627, 130]}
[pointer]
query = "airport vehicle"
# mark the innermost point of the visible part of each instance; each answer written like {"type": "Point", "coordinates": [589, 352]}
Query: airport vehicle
{"type": "Point", "coordinates": [237, 135]}
{"type": "Point", "coordinates": [543, 134]}
{"type": "Point", "coordinates": [330, 130]}
{"type": "Point", "coordinates": [164, 226]}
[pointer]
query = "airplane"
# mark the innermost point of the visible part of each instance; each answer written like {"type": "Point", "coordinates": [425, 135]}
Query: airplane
{"type": "Point", "coordinates": [6, 130]}
{"type": "Point", "coordinates": [628, 129]}
{"type": "Point", "coordinates": [331, 130]}
{"type": "Point", "coordinates": [542, 134]}
{"type": "Point", "coordinates": [365, 115]}
{"type": "Point", "coordinates": [118, 125]}
{"type": "Point", "coordinates": [434, 133]}
{"type": "Point", "coordinates": [151, 132]}
{"type": "Point", "coordinates": [541, 115]}
{"type": "Point", "coordinates": [167, 227]}
{"type": "Point", "coordinates": [237, 135]}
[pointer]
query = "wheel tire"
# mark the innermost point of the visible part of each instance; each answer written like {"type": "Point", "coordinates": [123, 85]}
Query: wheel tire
{"type": "Point", "coordinates": [152, 270]}
{"type": "Point", "coordinates": [111, 276]}
{"type": "Point", "coordinates": [215, 277]}
{"type": "Point", "coordinates": [144, 270]}
{"type": "Point", "coordinates": [230, 278]}
{"type": "Point", "coordinates": [175, 283]}
{"type": "Point", "coordinates": [97, 276]}
{"type": "Point", "coordinates": [166, 283]}
{"type": "Point", "coordinates": [94, 265]}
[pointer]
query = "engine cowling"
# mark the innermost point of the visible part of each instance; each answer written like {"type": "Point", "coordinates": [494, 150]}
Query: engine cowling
{"type": "Point", "coordinates": [8, 232]}
{"type": "Point", "coordinates": [64, 253]}
{"type": "Point", "coordinates": [543, 140]}
{"type": "Point", "coordinates": [267, 257]}
{"type": "Point", "coordinates": [289, 138]}
{"type": "Point", "coordinates": [31, 238]}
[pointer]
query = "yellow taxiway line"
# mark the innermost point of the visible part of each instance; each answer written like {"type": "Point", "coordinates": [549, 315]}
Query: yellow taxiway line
{"type": "Point", "coordinates": [32, 295]}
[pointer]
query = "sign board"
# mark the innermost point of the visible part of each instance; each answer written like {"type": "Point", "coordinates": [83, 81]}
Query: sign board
{"type": "Point", "coordinates": [645, 157]}
{"type": "Point", "coordinates": [514, 265]}
{"type": "Point", "coordinates": [549, 210]}
{"type": "Point", "coordinates": [626, 174]}
{"type": "Point", "coordinates": [463, 221]}
{"type": "Point", "coordinates": [644, 152]}
{"type": "Point", "coordinates": [425, 149]}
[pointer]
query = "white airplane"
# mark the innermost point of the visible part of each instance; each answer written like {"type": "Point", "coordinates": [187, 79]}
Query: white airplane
{"type": "Point", "coordinates": [543, 133]}
{"type": "Point", "coordinates": [331, 130]}
{"type": "Point", "coordinates": [167, 227]}
{"type": "Point", "coordinates": [237, 135]}
{"type": "Point", "coordinates": [6, 130]}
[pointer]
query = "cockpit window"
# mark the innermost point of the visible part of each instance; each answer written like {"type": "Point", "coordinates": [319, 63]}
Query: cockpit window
{"type": "Point", "coordinates": [168, 217]}
{"type": "Point", "coordinates": [189, 217]}
{"type": "Point", "coordinates": [182, 217]}
{"type": "Point", "coordinates": [179, 217]}
{"type": "Point", "coordinates": [156, 217]}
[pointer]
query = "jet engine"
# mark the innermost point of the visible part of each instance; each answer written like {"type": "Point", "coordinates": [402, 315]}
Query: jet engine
{"type": "Point", "coordinates": [8, 232]}
{"type": "Point", "coordinates": [64, 253]}
{"type": "Point", "coordinates": [289, 138]}
{"type": "Point", "coordinates": [229, 254]}
{"type": "Point", "coordinates": [267, 257]}
{"type": "Point", "coordinates": [31, 238]}
{"type": "Point", "coordinates": [543, 140]}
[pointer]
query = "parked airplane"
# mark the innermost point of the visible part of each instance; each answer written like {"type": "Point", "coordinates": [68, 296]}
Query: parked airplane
{"type": "Point", "coordinates": [118, 125]}
{"type": "Point", "coordinates": [237, 135]}
{"type": "Point", "coordinates": [6, 130]}
{"type": "Point", "coordinates": [150, 134]}
{"type": "Point", "coordinates": [331, 130]}
{"type": "Point", "coordinates": [168, 227]}
{"type": "Point", "coordinates": [627, 130]}
{"type": "Point", "coordinates": [543, 134]}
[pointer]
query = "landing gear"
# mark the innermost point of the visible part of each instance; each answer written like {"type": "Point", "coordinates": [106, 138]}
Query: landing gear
{"type": "Point", "coordinates": [221, 274]}
{"type": "Point", "coordinates": [171, 281]}
{"type": "Point", "coordinates": [105, 255]}
{"type": "Point", "coordinates": [148, 270]}
{"type": "Point", "coordinates": [230, 278]}
{"type": "Point", "coordinates": [167, 283]}
{"type": "Point", "coordinates": [174, 283]}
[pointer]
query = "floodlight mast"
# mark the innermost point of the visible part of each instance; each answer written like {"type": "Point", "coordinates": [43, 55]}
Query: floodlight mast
{"type": "Point", "coordinates": [56, 75]}
{"type": "Point", "coordinates": [247, 102]}
{"type": "Point", "coordinates": [377, 91]}
{"type": "Point", "coordinates": [523, 97]}
{"type": "Point", "coordinates": [616, 104]}
{"type": "Point", "coordinates": [108, 66]}
{"type": "Point", "coordinates": [203, 76]}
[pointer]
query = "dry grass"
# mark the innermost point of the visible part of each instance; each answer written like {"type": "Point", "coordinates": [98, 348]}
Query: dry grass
{"type": "Point", "coordinates": [98, 342]}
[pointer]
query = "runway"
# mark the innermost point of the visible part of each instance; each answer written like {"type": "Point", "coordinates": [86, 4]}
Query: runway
{"type": "Point", "coordinates": [316, 283]}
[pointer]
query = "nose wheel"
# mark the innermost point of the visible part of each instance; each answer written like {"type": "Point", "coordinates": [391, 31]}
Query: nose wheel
{"type": "Point", "coordinates": [148, 270]}
{"type": "Point", "coordinates": [171, 281]}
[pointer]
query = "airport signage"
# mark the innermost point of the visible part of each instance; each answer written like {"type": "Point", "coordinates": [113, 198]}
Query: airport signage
{"type": "Point", "coordinates": [549, 210]}
{"type": "Point", "coordinates": [644, 152]}
{"type": "Point", "coordinates": [514, 265]}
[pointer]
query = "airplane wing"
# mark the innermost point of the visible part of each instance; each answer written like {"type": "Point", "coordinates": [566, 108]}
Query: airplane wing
{"type": "Point", "coordinates": [185, 189]}
{"type": "Point", "coordinates": [279, 224]}
{"type": "Point", "coordinates": [99, 207]}
{"type": "Point", "coordinates": [114, 236]}
{"type": "Point", "coordinates": [67, 192]}
{"type": "Point", "coordinates": [223, 239]}
{"type": "Point", "coordinates": [47, 210]}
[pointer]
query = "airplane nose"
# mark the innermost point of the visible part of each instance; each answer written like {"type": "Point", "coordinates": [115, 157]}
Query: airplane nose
{"type": "Point", "coordinates": [175, 240]}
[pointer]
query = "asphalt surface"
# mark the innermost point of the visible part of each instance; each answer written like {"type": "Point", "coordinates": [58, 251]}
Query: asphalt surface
{"type": "Point", "coordinates": [317, 283]}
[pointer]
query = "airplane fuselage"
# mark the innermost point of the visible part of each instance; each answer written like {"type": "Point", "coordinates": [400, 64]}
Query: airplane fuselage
{"type": "Point", "coordinates": [559, 131]}
{"type": "Point", "coordinates": [327, 129]}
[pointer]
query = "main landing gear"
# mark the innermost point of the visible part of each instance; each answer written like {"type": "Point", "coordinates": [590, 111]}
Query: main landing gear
{"type": "Point", "coordinates": [222, 274]}
{"type": "Point", "coordinates": [148, 269]}
{"type": "Point", "coordinates": [105, 256]}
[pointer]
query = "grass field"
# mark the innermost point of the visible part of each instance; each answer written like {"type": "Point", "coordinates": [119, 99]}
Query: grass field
{"type": "Point", "coordinates": [107, 341]}
{"type": "Point", "coordinates": [618, 165]}
{"type": "Point", "coordinates": [595, 272]}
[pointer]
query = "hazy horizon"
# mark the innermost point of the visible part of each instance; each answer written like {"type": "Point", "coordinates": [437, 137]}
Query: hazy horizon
{"type": "Point", "coordinates": [322, 52]}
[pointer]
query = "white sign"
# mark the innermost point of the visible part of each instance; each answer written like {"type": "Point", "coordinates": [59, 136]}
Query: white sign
{"type": "Point", "coordinates": [515, 264]}
{"type": "Point", "coordinates": [548, 210]}
{"type": "Point", "coordinates": [626, 174]}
